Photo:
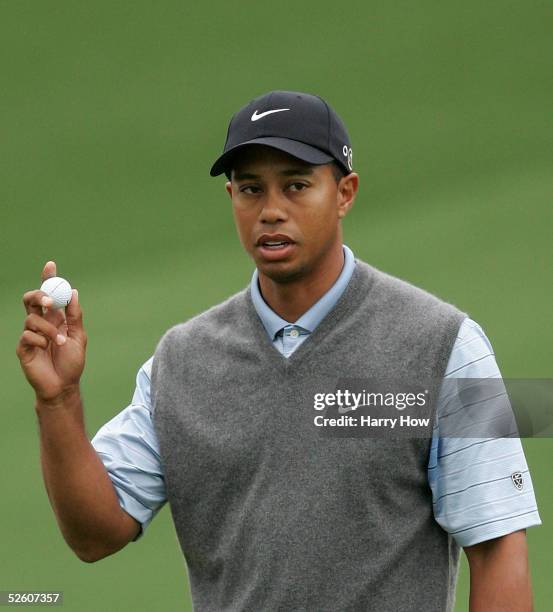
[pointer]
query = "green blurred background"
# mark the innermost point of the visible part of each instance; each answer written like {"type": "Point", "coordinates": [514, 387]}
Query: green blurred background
{"type": "Point", "coordinates": [111, 115]}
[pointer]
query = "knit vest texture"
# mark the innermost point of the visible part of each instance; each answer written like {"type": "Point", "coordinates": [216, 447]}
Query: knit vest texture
{"type": "Point", "coordinates": [270, 515]}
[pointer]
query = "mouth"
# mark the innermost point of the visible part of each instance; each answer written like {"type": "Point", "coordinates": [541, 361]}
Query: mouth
{"type": "Point", "coordinates": [275, 246]}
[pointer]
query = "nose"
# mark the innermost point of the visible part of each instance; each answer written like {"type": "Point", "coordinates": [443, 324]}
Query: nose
{"type": "Point", "coordinates": [274, 209]}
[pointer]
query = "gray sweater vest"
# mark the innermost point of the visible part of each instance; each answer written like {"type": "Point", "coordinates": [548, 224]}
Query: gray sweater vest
{"type": "Point", "coordinates": [270, 515]}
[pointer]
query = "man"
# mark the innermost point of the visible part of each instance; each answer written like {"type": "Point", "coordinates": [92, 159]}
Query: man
{"type": "Point", "coordinates": [270, 514]}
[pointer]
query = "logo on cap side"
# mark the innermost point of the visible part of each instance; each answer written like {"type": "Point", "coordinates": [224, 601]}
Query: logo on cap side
{"type": "Point", "coordinates": [348, 154]}
{"type": "Point", "coordinates": [257, 116]}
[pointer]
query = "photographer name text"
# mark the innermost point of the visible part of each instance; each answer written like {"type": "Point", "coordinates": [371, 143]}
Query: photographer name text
{"type": "Point", "coordinates": [367, 421]}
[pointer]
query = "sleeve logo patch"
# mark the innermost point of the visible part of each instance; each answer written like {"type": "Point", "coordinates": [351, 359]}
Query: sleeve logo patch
{"type": "Point", "coordinates": [517, 479]}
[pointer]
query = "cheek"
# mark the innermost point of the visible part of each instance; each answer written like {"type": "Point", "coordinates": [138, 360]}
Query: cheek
{"type": "Point", "coordinates": [320, 218]}
{"type": "Point", "coordinates": [244, 224]}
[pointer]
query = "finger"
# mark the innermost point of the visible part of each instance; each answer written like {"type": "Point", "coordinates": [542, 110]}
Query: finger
{"type": "Point", "coordinates": [49, 270]}
{"type": "Point", "coordinates": [74, 318]}
{"type": "Point", "coordinates": [56, 318]}
{"type": "Point", "coordinates": [35, 301]}
{"type": "Point", "coordinates": [36, 323]}
{"type": "Point", "coordinates": [29, 341]}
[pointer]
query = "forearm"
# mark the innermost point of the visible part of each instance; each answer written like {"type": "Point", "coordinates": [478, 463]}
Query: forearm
{"type": "Point", "coordinates": [500, 577]}
{"type": "Point", "coordinates": [78, 486]}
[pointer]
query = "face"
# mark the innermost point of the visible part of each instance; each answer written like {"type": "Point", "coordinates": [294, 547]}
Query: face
{"type": "Point", "coordinates": [288, 212]}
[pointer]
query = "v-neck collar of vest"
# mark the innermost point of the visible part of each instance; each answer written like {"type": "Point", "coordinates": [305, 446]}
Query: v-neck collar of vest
{"type": "Point", "coordinates": [346, 304]}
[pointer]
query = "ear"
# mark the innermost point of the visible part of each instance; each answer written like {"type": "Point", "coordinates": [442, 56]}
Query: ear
{"type": "Point", "coordinates": [347, 190]}
{"type": "Point", "coordinates": [228, 187]}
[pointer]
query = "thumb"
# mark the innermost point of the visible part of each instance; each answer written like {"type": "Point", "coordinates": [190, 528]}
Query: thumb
{"type": "Point", "coordinates": [49, 270]}
{"type": "Point", "coordinates": [74, 318]}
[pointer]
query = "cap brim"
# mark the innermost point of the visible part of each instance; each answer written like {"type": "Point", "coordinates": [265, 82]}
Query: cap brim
{"type": "Point", "coordinates": [302, 151]}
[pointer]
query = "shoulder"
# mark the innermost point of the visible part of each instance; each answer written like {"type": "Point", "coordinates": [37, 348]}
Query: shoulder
{"type": "Point", "coordinates": [210, 324]}
{"type": "Point", "coordinates": [472, 355]}
{"type": "Point", "coordinates": [401, 296]}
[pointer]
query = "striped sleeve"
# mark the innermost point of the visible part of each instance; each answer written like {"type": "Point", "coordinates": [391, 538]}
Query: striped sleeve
{"type": "Point", "coordinates": [481, 487]}
{"type": "Point", "coordinates": [128, 448]}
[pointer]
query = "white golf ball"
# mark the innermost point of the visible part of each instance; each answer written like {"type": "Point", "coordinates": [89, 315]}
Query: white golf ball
{"type": "Point", "coordinates": [59, 290]}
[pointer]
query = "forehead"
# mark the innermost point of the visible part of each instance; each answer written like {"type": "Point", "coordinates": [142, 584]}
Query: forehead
{"type": "Point", "coordinates": [261, 158]}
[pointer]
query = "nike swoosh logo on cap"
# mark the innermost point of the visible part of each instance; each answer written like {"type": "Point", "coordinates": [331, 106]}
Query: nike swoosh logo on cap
{"type": "Point", "coordinates": [257, 116]}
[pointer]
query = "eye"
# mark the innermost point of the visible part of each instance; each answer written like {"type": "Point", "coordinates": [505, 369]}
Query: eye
{"type": "Point", "coordinates": [250, 189]}
{"type": "Point", "coordinates": [297, 186]}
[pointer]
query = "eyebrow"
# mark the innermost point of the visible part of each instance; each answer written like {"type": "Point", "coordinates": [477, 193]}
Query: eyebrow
{"type": "Point", "coordinates": [299, 171]}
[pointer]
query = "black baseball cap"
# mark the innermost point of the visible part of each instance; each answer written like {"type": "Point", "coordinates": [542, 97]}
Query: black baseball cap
{"type": "Point", "coordinates": [299, 124]}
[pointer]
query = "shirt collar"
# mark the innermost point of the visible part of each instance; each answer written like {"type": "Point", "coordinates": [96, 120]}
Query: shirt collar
{"type": "Point", "coordinates": [309, 320]}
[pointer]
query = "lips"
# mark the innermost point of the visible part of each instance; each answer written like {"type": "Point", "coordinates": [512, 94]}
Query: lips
{"type": "Point", "coordinates": [275, 246]}
{"type": "Point", "coordinates": [274, 240]}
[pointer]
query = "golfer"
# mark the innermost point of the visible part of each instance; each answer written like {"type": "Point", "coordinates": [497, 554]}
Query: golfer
{"type": "Point", "coordinates": [274, 506]}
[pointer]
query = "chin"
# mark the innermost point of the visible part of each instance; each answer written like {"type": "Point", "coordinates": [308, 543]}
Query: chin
{"type": "Point", "coordinates": [281, 272]}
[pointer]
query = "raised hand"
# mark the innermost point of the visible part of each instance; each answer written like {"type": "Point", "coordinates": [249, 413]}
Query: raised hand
{"type": "Point", "coordinates": [53, 344]}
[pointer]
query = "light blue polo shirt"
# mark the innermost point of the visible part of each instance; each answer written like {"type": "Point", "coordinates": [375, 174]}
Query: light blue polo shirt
{"type": "Point", "coordinates": [467, 502]}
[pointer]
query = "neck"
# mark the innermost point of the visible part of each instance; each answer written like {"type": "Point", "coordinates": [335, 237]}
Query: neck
{"type": "Point", "coordinates": [292, 299]}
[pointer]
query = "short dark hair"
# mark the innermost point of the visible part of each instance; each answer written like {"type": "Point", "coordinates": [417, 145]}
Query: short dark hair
{"type": "Point", "coordinates": [337, 171]}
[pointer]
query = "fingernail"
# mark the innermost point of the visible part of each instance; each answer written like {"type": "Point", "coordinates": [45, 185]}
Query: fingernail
{"type": "Point", "coordinates": [46, 301]}
{"type": "Point", "coordinates": [60, 339]}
